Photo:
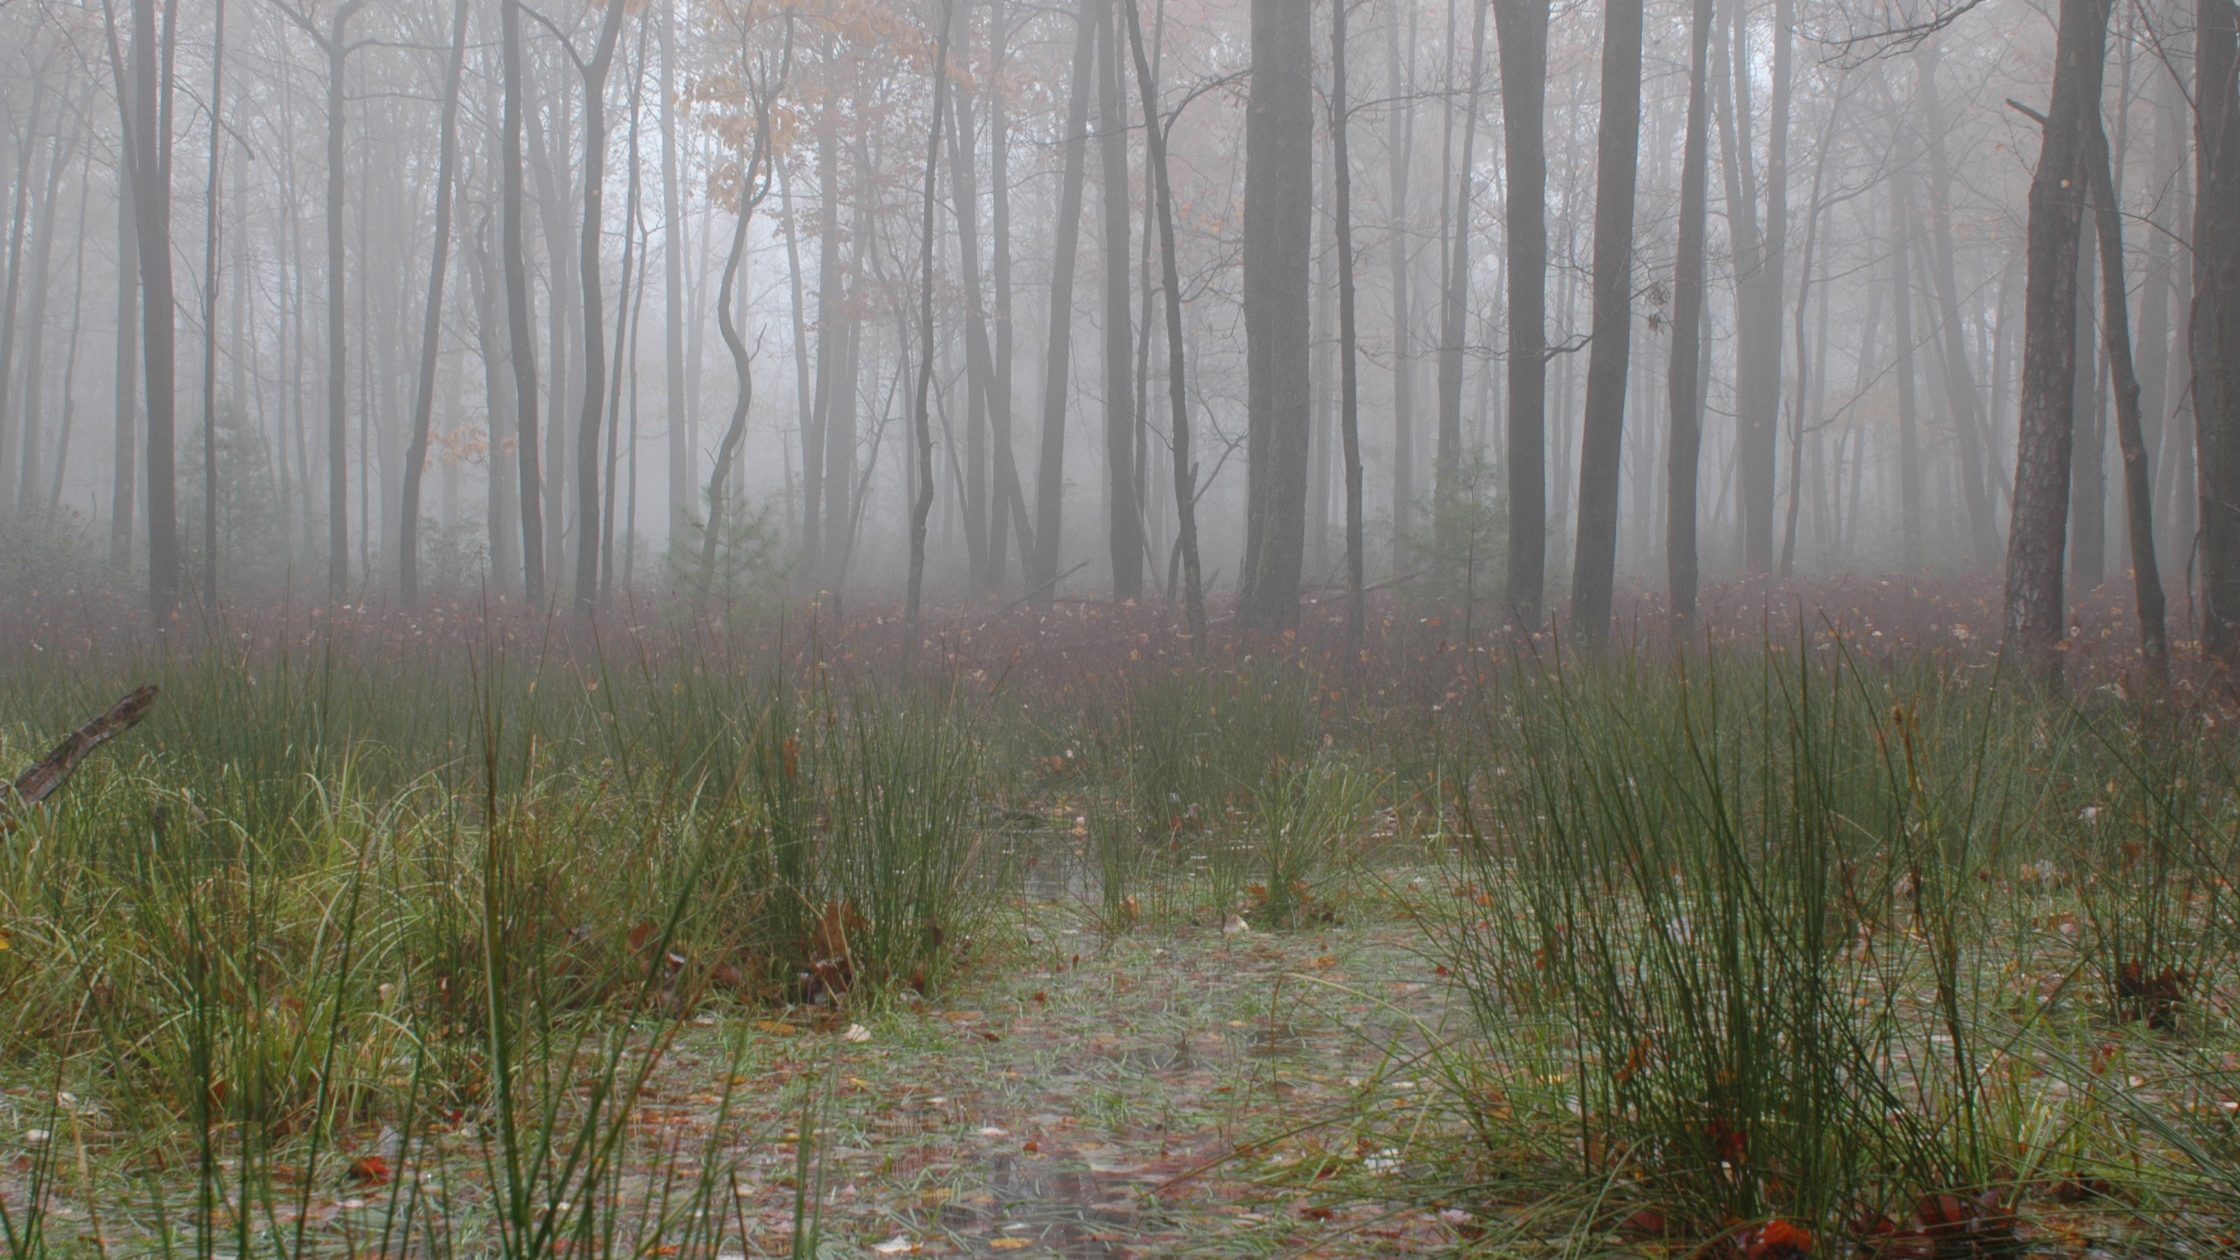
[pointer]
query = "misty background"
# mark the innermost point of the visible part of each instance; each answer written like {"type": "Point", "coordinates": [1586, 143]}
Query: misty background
{"type": "Point", "coordinates": [569, 301]}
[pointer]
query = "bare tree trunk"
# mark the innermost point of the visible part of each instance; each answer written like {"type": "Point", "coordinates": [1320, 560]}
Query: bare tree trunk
{"type": "Point", "coordinates": [1523, 29]}
{"type": "Point", "coordinates": [1760, 287]}
{"type": "Point", "coordinates": [1911, 501]}
{"type": "Point", "coordinates": [124, 475]}
{"type": "Point", "coordinates": [1124, 522]}
{"type": "Point", "coordinates": [210, 313]}
{"type": "Point", "coordinates": [1050, 473]}
{"type": "Point", "coordinates": [1448, 490]}
{"type": "Point", "coordinates": [1813, 209]}
{"type": "Point", "coordinates": [18, 220]}
{"type": "Point", "coordinates": [1684, 384]}
{"type": "Point", "coordinates": [2088, 468]}
{"type": "Point", "coordinates": [672, 291]}
{"type": "Point", "coordinates": [29, 490]}
{"type": "Point", "coordinates": [1278, 213]}
{"type": "Point", "coordinates": [1349, 380]}
{"type": "Point", "coordinates": [1617, 162]}
{"type": "Point", "coordinates": [922, 502]}
{"type": "Point", "coordinates": [999, 224]}
{"type": "Point", "coordinates": [594, 309]}
{"type": "Point", "coordinates": [754, 185]}
{"type": "Point", "coordinates": [521, 328]}
{"type": "Point", "coordinates": [2035, 610]}
{"type": "Point", "coordinates": [2216, 326]}
{"type": "Point", "coordinates": [503, 515]}
{"type": "Point", "coordinates": [1966, 399]}
{"type": "Point", "coordinates": [335, 44]}
{"type": "Point", "coordinates": [1400, 140]}
{"type": "Point", "coordinates": [1170, 280]}
{"type": "Point", "coordinates": [146, 122]}
{"type": "Point", "coordinates": [431, 324]}
{"type": "Point", "coordinates": [964, 193]}
{"type": "Point", "coordinates": [2138, 491]}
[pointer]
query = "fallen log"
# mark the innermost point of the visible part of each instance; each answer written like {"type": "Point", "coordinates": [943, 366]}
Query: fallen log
{"type": "Point", "coordinates": [46, 777]}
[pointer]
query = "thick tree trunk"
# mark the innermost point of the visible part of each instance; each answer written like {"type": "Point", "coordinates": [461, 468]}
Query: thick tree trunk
{"type": "Point", "coordinates": [1278, 213]}
{"type": "Point", "coordinates": [2035, 611]}
{"type": "Point", "coordinates": [1523, 30]}
{"type": "Point", "coordinates": [2216, 326]}
{"type": "Point", "coordinates": [1617, 161]}
{"type": "Point", "coordinates": [1123, 521]}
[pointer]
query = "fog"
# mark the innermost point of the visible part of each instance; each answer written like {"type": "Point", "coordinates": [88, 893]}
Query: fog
{"type": "Point", "coordinates": [388, 300]}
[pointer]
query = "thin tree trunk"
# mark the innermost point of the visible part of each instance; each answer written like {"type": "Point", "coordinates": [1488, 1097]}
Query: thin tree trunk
{"type": "Point", "coordinates": [210, 312]}
{"type": "Point", "coordinates": [1684, 384]}
{"type": "Point", "coordinates": [922, 503]}
{"type": "Point", "coordinates": [1042, 575]}
{"type": "Point", "coordinates": [1966, 400]}
{"type": "Point", "coordinates": [1400, 140]}
{"type": "Point", "coordinates": [431, 324]}
{"type": "Point", "coordinates": [753, 187]}
{"type": "Point", "coordinates": [1448, 490]}
{"type": "Point", "coordinates": [594, 309]}
{"type": "Point", "coordinates": [1170, 280]}
{"type": "Point", "coordinates": [521, 329]}
{"type": "Point", "coordinates": [672, 289]}
{"type": "Point", "coordinates": [2138, 492]}
{"type": "Point", "coordinates": [1349, 381]}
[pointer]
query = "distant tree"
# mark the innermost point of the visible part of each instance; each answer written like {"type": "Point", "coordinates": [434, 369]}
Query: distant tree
{"type": "Point", "coordinates": [145, 115]}
{"type": "Point", "coordinates": [514, 264]}
{"type": "Point", "coordinates": [1050, 471]}
{"type": "Point", "coordinates": [1170, 285]}
{"type": "Point", "coordinates": [431, 324]}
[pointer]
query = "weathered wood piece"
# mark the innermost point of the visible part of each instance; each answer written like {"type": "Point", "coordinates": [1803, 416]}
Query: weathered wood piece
{"type": "Point", "coordinates": [46, 777]}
